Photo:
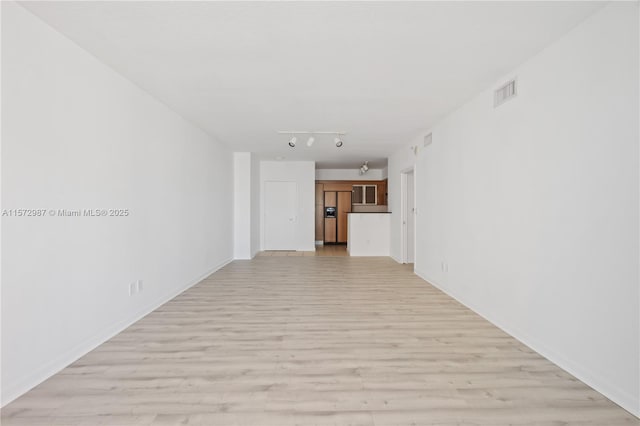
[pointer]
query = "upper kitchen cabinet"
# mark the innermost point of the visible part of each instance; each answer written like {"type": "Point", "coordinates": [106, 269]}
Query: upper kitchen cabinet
{"type": "Point", "coordinates": [370, 193]}
{"type": "Point", "coordinates": [382, 193]}
{"type": "Point", "coordinates": [365, 194]}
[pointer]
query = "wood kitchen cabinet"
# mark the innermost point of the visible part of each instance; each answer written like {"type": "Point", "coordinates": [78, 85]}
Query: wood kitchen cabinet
{"type": "Point", "coordinates": [319, 212]}
{"type": "Point", "coordinates": [330, 199]}
{"type": "Point", "coordinates": [344, 208]}
{"type": "Point", "coordinates": [365, 194]}
{"type": "Point", "coordinates": [348, 185]}
{"type": "Point", "coordinates": [330, 230]}
{"type": "Point", "coordinates": [319, 194]}
{"type": "Point", "coordinates": [334, 193]}
{"type": "Point", "coordinates": [335, 228]}
{"type": "Point", "coordinates": [382, 193]}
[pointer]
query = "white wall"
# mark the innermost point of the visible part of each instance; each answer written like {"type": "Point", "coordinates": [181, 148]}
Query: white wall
{"type": "Point", "coordinates": [246, 205]}
{"type": "Point", "coordinates": [242, 205]}
{"type": "Point", "coordinates": [255, 205]}
{"type": "Point", "coordinates": [534, 205]}
{"type": "Point", "coordinates": [348, 174]}
{"type": "Point", "coordinates": [368, 234]}
{"type": "Point", "coordinates": [76, 135]}
{"type": "Point", "coordinates": [303, 173]}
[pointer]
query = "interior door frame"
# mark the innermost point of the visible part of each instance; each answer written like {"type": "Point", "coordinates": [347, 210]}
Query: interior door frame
{"type": "Point", "coordinates": [404, 213]}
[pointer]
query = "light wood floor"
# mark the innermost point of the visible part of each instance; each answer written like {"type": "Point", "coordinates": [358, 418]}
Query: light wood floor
{"type": "Point", "coordinates": [313, 341]}
{"type": "Point", "coordinates": [324, 250]}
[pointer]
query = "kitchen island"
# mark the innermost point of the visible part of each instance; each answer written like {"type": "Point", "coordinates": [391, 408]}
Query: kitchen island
{"type": "Point", "coordinates": [369, 234]}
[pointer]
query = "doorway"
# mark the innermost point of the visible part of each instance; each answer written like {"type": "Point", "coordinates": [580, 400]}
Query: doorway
{"type": "Point", "coordinates": [408, 216]}
{"type": "Point", "coordinates": [280, 215]}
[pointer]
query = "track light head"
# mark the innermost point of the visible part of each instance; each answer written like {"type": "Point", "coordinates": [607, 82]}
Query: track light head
{"type": "Point", "coordinates": [311, 140]}
{"type": "Point", "coordinates": [338, 141]}
{"type": "Point", "coordinates": [292, 141]}
{"type": "Point", "coordinates": [364, 168]}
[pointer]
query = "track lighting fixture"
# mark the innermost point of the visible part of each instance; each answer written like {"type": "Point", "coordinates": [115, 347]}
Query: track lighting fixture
{"type": "Point", "coordinates": [364, 168]}
{"type": "Point", "coordinates": [293, 139]}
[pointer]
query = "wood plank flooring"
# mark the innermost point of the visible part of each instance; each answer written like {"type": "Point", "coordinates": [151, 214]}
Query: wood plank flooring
{"type": "Point", "coordinates": [313, 341]}
{"type": "Point", "coordinates": [323, 250]}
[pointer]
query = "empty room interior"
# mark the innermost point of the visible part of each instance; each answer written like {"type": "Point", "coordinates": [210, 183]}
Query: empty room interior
{"type": "Point", "coordinates": [320, 213]}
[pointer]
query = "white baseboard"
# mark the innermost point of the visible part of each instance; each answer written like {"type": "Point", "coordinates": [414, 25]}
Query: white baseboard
{"type": "Point", "coordinates": [319, 243]}
{"type": "Point", "coordinates": [596, 381]}
{"type": "Point", "coordinates": [13, 390]}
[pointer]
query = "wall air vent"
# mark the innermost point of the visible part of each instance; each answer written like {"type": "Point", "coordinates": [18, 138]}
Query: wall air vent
{"type": "Point", "coordinates": [504, 93]}
{"type": "Point", "coordinates": [428, 139]}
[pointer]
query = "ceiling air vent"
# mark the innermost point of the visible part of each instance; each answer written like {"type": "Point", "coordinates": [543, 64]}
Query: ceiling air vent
{"type": "Point", "coordinates": [504, 93]}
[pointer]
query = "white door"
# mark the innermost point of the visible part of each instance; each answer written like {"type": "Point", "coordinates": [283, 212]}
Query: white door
{"type": "Point", "coordinates": [411, 218]}
{"type": "Point", "coordinates": [280, 208]}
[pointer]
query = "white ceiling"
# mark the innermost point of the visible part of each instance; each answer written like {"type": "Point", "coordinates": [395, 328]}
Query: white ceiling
{"type": "Point", "coordinates": [382, 71]}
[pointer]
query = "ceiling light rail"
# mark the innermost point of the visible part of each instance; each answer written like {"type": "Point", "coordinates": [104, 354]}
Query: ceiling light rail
{"type": "Point", "coordinates": [312, 136]}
